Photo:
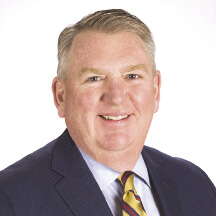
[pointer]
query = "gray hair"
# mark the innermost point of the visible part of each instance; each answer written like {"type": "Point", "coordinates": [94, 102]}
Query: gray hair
{"type": "Point", "coordinates": [107, 21]}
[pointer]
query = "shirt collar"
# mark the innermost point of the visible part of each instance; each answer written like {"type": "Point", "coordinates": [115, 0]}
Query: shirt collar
{"type": "Point", "coordinates": [102, 174]}
{"type": "Point", "coordinates": [141, 170]}
{"type": "Point", "coordinates": [106, 176]}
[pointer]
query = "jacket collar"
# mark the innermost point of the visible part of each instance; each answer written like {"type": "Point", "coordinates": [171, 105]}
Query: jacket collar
{"type": "Point", "coordinates": [77, 187]}
{"type": "Point", "coordinates": [164, 188]}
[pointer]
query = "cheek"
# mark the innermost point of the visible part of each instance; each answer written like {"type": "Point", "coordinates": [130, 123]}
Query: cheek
{"type": "Point", "coordinates": [82, 101]}
{"type": "Point", "coordinates": [143, 98]}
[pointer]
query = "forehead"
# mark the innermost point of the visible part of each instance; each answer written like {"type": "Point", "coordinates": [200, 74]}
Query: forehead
{"type": "Point", "coordinates": [94, 48]}
{"type": "Point", "coordinates": [106, 41]}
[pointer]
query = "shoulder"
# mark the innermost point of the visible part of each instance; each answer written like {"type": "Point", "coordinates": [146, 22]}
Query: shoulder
{"type": "Point", "coordinates": [169, 161]}
{"type": "Point", "coordinates": [183, 172]}
{"type": "Point", "coordinates": [27, 187]}
{"type": "Point", "coordinates": [28, 170]}
{"type": "Point", "coordinates": [187, 184]}
{"type": "Point", "coordinates": [28, 180]}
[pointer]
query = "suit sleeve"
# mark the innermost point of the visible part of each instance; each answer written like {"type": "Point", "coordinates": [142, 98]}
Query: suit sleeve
{"type": "Point", "coordinates": [6, 208]}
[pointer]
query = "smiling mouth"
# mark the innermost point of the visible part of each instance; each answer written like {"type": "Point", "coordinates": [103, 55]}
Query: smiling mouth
{"type": "Point", "coordinates": [114, 118]}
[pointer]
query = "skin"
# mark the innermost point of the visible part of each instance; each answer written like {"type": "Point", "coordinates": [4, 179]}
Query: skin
{"type": "Point", "coordinates": [109, 74]}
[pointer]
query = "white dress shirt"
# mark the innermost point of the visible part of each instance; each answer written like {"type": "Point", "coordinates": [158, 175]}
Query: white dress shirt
{"type": "Point", "coordinates": [106, 178]}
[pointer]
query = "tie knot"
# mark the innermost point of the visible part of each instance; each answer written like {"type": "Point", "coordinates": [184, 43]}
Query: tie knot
{"type": "Point", "coordinates": [127, 180]}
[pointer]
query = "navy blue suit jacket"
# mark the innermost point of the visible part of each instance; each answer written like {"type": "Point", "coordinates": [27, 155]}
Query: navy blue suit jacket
{"type": "Point", "coordinates": [55, 181]}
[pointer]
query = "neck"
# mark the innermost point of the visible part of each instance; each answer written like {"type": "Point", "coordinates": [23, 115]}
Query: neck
{"type": "Point", "coordinates": [119, 161]}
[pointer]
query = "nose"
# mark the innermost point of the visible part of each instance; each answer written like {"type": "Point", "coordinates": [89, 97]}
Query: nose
{"type": "Point", "coordinates": [115, 92]}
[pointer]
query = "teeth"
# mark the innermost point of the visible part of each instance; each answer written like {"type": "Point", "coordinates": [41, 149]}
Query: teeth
{"type": "Point", "coordinates": [115, 117]}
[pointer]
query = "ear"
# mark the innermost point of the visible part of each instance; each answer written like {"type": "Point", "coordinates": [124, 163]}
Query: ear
{"type": "Point", "coordinates": [58, 90]}
{"type": "Point", "coordinates": [157, 85]}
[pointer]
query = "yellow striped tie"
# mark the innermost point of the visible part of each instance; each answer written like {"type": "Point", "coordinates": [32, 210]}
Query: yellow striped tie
{"type": "Point", "coordinates": [131, 203]}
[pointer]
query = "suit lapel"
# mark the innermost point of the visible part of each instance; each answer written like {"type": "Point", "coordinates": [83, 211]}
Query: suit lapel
{"type": "Point", "coordinates": [164, 189]}
{"type": "Point", "coordinates": [78, 187]}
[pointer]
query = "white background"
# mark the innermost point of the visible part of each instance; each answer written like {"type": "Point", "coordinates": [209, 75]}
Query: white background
{"type": "Point", "coordinates": [185, 36]}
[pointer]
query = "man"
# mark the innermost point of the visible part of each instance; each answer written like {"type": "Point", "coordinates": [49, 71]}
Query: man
{"type": "Point", "coordinates": [107, 89]}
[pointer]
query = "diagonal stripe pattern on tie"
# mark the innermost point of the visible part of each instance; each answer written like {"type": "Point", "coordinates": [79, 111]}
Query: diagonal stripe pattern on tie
{"type": "Point", "coordinates": [131, 203]}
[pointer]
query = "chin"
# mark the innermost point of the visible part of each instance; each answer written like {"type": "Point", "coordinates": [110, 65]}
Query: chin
{"type": "Point", "coordinates": [116, 143]}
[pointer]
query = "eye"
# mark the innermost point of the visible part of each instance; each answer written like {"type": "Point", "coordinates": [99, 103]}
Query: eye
{"type": "Point", "coordinates": [94, 78]}
{"type": "Point", "coordinates": [133, 76]}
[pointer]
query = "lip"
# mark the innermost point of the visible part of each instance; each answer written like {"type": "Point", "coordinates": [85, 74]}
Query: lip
{"type": "Point", "coordinates": [115, 123]}
{"type": "Point", "coordinates": [115, 114]}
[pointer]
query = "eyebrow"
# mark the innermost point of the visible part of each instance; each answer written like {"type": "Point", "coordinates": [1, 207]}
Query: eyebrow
{"type": "Point", "coordinates": [99, 71]}
{"type": "Point", "coordinates": [90, 70]}
{"type": "Point", "coordinates": [136, 67]}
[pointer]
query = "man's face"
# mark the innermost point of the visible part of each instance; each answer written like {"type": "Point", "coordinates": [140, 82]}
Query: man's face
{"type": "Point", "coordinates": [110, 93]}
